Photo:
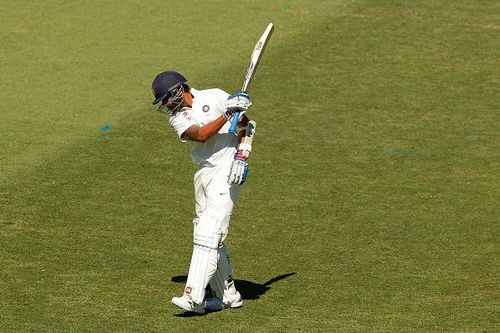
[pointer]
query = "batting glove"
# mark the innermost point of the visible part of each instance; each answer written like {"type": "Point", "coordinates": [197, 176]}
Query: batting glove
{"type": "Point", "coordinates": [239, 102]}
{"type": "Point", "coordinates": [239, 169]}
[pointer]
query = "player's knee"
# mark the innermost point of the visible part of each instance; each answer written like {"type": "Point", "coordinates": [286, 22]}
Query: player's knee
{"type": "Point", "coordinates": [207, 230]}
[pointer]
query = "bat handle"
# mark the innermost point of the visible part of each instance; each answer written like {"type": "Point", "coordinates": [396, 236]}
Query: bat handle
{"type": "Point", "coordinates": [234, 122]}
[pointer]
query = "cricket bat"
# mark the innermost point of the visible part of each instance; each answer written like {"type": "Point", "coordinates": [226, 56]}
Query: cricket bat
{"type": "Point", "coordinates": [258, 50]}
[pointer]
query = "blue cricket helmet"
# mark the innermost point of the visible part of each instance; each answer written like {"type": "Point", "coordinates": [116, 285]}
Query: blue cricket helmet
{"type": "Point", "coordinates": [165, 84]}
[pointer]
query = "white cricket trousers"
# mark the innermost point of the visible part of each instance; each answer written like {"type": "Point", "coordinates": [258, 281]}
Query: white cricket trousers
{"type": "Point", "coordinates": [214, 202]}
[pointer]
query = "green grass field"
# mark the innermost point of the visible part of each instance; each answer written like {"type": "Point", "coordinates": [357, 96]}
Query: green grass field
{"type": "Point", "coordinates": [373, 199]}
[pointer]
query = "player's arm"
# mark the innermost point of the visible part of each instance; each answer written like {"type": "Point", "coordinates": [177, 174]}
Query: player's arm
{"type": "Point", "coordinates": [242, 124]}
{"type": "Point", "coordinates": [205, 132]}
{"type": "Point", "coordinates": [235, 103]}
{"type": "Point", "coordinates": [239, 169]}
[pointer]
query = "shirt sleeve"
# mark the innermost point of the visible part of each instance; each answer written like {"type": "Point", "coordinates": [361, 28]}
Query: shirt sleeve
{"type": "Point", "coordinates": [222, 97]}
{"type": "Point", "coordinates": [180, 122]}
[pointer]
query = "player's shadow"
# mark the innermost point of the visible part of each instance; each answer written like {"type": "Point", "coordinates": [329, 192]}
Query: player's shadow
{"type": "Point", "coordinates": [247, 289]}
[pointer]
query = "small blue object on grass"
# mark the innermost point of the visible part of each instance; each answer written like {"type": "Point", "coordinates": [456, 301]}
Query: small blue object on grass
{"type": "Point", "coordinates": [106, 128]}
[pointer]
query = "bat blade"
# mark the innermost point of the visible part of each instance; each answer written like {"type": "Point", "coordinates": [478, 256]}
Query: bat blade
{"type": "Point", "coordinates": [258, 50]}
{"type": "Point", "coordinates": [256, 56]}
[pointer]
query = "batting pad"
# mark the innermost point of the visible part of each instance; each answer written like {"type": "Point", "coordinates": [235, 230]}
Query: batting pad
{"type": "Point", "coordinates": [202, 268]}
{"type": "Point", "coordinates": [222, 283]}
{"type": "Point", "coordinates": [207, 231]}
{"type": "Point", "coordinates": [217, 283]}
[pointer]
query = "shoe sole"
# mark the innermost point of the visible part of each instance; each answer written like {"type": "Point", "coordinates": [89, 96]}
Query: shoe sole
{"type": "Point", "coordinates": [234, 305]}
{"type": "Point", "coordinates": [188, 309]}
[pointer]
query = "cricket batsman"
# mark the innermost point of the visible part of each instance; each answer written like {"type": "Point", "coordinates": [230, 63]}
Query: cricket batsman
{"type": "Point", "coordinates": [203, 117]}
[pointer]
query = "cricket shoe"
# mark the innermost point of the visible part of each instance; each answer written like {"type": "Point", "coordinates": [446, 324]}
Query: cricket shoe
{"type": "Point", "coordinates": [233, 302]}
{"type": "Point", "coordinates": [214, 304]}
{"type": "Point", "coordinates": [188, 304]}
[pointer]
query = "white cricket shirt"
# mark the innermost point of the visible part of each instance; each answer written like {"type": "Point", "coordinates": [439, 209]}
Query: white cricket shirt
{"type": "Point", "coordinates": [208, 105]}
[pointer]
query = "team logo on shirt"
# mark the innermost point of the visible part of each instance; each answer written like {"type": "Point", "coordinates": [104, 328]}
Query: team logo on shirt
{"type": "Point", "coordinates": [206, 108]}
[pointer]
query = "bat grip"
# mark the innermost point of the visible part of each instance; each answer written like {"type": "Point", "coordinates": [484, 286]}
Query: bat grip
{"type": "Point", "coordinates": [234, 122]}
